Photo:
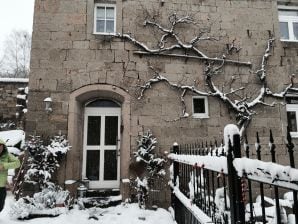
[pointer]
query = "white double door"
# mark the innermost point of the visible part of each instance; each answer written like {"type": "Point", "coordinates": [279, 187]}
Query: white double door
{"type": "Point", "coordinates": [101, 156]}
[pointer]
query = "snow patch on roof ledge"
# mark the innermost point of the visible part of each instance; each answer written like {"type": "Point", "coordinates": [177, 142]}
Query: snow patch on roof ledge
{"type": "Point", "coordinates": [22, 80]}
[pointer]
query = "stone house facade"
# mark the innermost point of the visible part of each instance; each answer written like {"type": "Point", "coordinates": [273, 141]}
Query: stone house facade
{"type": "Point", "coordinates": [93, 77]}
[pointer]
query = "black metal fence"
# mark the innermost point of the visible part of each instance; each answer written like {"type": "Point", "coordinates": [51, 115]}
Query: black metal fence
{"type": "Point", "coordinates": [223, 195]}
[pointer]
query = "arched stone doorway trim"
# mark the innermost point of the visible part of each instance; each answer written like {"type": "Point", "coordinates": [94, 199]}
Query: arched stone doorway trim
{"type": "Point", "coordinates": [77, 102]}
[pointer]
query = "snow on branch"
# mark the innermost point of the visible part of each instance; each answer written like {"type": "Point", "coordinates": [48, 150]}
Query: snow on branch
{"type": "Point", "coordinates": [169, 33]}
{"type": "Point", "coordinates": [261, 73]}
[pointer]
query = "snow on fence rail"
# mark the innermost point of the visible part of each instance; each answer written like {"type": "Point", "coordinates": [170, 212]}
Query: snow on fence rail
{"type": "Point", "coordinates": [266, 172]}
{"type": "Point", "coordinates": [218, 181]}
{"type": "Point", "coordinates": [218, 164]}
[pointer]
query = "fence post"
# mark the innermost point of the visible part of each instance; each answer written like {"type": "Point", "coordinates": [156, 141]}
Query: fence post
{"type": "Point", "coordinates": [175, 164]}
{"type": "Point", "coordinates": [231, 175]}
{"type": "Point", "coordinates": [290, 147]}
{"type": "Point", "coordinates": [175, 202]}
{"type": "Point", "coordinates": [240, 208]}
{"type": "Point", "coordinates": [277, 207]}
{"type": "Point", "coordinates": [236, 202]}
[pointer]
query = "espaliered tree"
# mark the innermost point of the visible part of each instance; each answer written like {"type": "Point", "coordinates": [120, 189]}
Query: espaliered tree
{"type": "Point", "coordinates": [170, 43]}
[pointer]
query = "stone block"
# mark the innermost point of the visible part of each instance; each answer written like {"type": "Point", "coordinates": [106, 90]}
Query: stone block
{"type": "Point", "coordinates": [81, 44]}
{"type": "Point", "coordinates": [105, 55]}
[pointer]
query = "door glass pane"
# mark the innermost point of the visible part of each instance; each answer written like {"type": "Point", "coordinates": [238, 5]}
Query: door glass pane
{"type": "Point", "coordinates": [92, 164]}
{"type": "Point", "coordinates": [284, 31]}
{"type": "Point", "coordinates": [199, 105]}
{"type": "Point", "coordinates": [93, 132]}
{"type": "Point", "coordinates": [110, 26]}
{"type": "Point", "coordinates": [111, 130]}
{"type": "Point", "coordinates": [110, 165]}
{"type": "Point", "coordinates": [292, 122]}
{"type": "Point", "coordinates": [100, 13]}
{"type": "Point", "coordinates": [295, 29]}
{"type": "Point", "coordinates": [110, 13]}
{"type": "Point", "coordinates": [100, 26]}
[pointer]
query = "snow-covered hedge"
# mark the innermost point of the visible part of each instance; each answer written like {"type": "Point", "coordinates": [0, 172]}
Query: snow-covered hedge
{"type": "Point", "coordinates": [51, 201]}
{"type": "Point", "coordinates": [44, 160]}
{"type": "Point", "coordinates": [154, 166]}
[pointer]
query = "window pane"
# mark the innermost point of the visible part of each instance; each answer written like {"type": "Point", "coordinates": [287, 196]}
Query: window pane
{"type": "Point", "coordinates": [110, 26]}
{"type": "Point", "coordinates": [292, 123]}
{"type": "Point", "coordinates": [100, 26]}
{"type": "Point", "coordinates": [199, 105]}
{"type": "Point", "coordinates": [93, 132]}
{"type": "Point", "coordinates": [295, 28]}
{"type": "Point", "coordinates": [102, 103]}
{"type": "Point", "coordinates": [110, 13]}
{"type": "Point", "coordinates": [100, 14]}
{"type": "Point", "coordinates": [111, 130]}
{"type": "Point", "coordinates": [110, 165]}
{"type": "Point", "coordinates": [288, 12]}
{"type": "Point", "coordinates": [284, 31]}
{"type": "Point", "coordinates": [92, 164]}
{"type": "Point", "coordinates": [293, 100]}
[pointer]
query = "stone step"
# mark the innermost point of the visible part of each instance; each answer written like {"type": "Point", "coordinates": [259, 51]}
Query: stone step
{"type": "Point", "coordinates": [102, 193]}
{"type": "Point", "coordinates": [102, 202]}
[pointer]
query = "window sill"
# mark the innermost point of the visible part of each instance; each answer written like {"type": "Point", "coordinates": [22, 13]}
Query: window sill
{"type": "Point", "coordinates": [200, 116]}
{"type": "Point", "coordinates": [105, 34]}
{"type": "Point", "coordinates": [294, 134]}
{"type": "Point", "coordinates": [288, 41]}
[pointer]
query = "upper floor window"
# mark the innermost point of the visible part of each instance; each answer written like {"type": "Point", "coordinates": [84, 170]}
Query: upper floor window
{"type": "Point", "coordinates": [292, 116]}
{"type": "Point", "coordinates": [288, 23]}
{"type": "Point", "coordinates": [200, 107]}
{"type": "Point", "coordinates": [104, 19]}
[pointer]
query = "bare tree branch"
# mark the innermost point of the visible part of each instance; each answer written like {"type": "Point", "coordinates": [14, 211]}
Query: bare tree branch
{"type": "Point", "coordinates": [243, 107]}
{"type": "Point", "coordinates": [261, 73]}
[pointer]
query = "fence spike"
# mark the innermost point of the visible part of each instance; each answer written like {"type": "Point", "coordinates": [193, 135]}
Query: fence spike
{"type": "Point", "coordinates": [272, 145]}
{"type": "Point", "coordinates": [229, 146]}
{"type": "Point", "coordinates": [246, 146]}
{"type": "Point", "coordinates": [257, 145]}
{"type": "Point", "coordinates": [271, 137]}
{"type": "Point", "coordinates": [290, 144]}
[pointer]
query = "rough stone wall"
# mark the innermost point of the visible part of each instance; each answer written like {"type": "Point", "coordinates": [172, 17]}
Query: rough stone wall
{"type": "Point", "coordinates": [8, 100]}
{"type": "Point", "coordinates": [67, 56]}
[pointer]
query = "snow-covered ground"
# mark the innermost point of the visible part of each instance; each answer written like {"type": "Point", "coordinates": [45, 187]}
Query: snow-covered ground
{"type": "Point", "coordinates": [128, 214]}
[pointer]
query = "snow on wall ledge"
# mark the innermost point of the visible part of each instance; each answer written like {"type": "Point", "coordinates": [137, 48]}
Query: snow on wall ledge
{"type": "Point", "coordinates": [21, 80]}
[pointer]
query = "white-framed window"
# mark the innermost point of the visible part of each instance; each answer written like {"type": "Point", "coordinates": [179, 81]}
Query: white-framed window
{"type": "Point", "coordinates": [200, 107]}
{"type": "Point", "coordinates": [292, 116]}
{"type": "Point", "coordinates": [288, 23]}
{"type": "Point", "coordinates": [104, 19]}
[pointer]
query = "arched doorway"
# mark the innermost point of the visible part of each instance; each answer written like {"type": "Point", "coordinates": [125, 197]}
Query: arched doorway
{"type": "Point", "coordinates": [78, 100]}
{"type": "Point", "coordinates": [101, 144]}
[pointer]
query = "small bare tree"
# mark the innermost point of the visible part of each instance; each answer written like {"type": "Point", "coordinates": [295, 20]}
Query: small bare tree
{"type": "Point", "coordinates": [16, 57]}
{"type": "Point", "coordinates": [171, 44]}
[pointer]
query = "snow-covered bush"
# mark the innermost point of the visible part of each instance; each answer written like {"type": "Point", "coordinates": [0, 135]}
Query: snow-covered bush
{"type": "Point", "coordinates": [153, 166]}
{"type": "Point", "coordinates": [7, 125]}
{"type": "Point", "coordinates": [145, 153]}
{"type": "Point", "coordinates": [50, 201]}
{"type": "Point", "coordinates": [44, 160]}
